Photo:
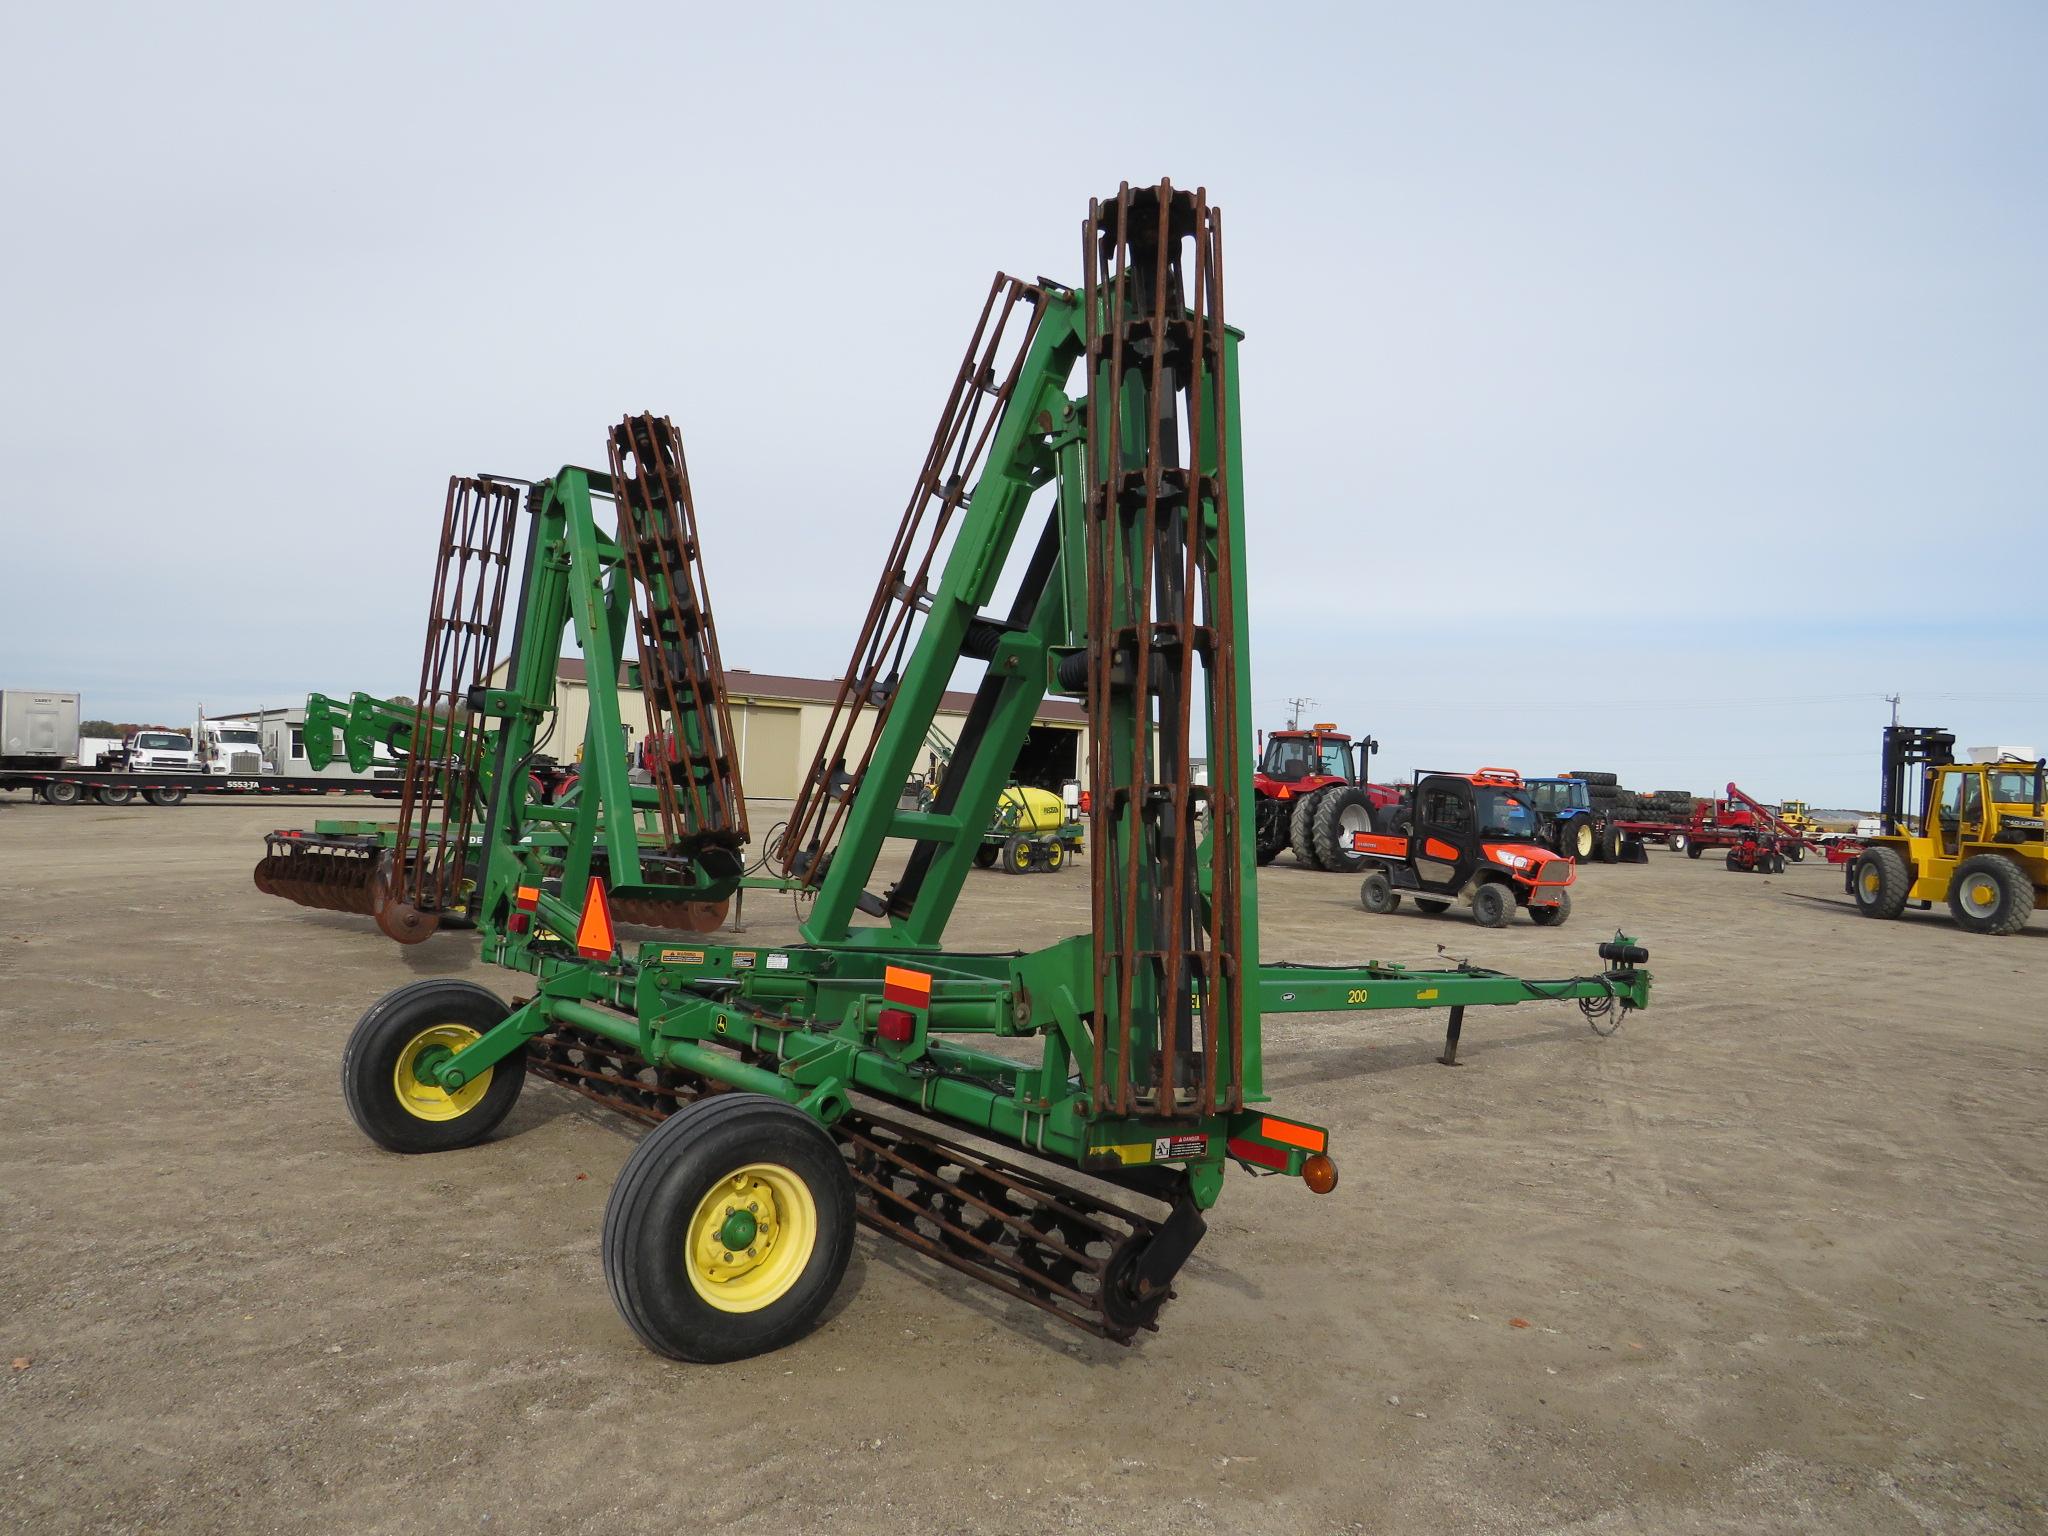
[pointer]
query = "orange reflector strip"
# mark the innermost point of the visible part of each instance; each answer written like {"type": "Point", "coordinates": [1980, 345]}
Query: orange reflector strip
{"type": "Point", "coordinates": [594, 933]}
{"type": "Point", "coordinates": [1306, 1137]}
{"type": "Point", "coordinates": [906, 988]}
{"type": "Point", "coordinates": [526, 898]}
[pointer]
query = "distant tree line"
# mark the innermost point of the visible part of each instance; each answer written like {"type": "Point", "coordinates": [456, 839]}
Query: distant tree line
{"type": "Point", "coordinates": [120, 731]}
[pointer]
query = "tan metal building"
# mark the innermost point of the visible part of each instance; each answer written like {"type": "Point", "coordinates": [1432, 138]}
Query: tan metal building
{"type": "Point", "coordinates": [778, 723]}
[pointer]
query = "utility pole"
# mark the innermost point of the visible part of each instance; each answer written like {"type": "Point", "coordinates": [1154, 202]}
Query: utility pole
{"type": "Point", "coordinates": [1893, 700]}
{"type": "Point", "coordinates": [1294, 709]}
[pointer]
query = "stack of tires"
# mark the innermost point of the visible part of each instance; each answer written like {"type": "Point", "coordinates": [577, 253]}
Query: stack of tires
{"type": "Point", "coordinates": [1612, 803]}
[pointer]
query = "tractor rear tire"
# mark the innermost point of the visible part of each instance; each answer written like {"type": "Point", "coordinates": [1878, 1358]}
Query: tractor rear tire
{"type": "Point", "coordinates": [1879, 880]}
{"type": "Point", "coordinates": [1991, 894]}
{"type": "Point", "coordinates": [389, 1103]}
{"type": "Point", "coordinates": [1552, 917]}
{"type": "Point", "coordinates": [1301, 830]}
{"type": "Point", "coordinates": [1377, 894]}
{"type": "Point", "coordinates": [1575, 840]}
{"type": "Point", "coordinates": [731, 1168]}
{"type": "Point", "coordinates": [1341, 811]}
{"type": "Point", "coordinates": [1493, 905]}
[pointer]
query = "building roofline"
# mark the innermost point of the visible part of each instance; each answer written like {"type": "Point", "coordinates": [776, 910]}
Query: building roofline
{"type": "Point", "coordinates": [781, 688]}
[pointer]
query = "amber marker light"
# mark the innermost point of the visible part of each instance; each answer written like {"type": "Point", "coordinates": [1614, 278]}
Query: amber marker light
{"type": "Point", "coordinates": [1319, 1173]}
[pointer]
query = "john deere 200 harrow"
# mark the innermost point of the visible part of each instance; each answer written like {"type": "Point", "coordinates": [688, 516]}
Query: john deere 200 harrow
{"type": "Point", "coordinates": [798, 1090]}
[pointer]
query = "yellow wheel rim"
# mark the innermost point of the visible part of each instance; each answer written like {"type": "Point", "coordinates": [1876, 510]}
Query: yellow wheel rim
{"type": "Point", "coordinates": [429, 1101]}
{"type": "Point", "coordinates": [1870, 882]}
{"type": "Point", "coordinates": [751, 1237]}
{"type": "Point", "coordinates": [1980, 895]}
{"type": "Point", "coordinates": [1055, 856]}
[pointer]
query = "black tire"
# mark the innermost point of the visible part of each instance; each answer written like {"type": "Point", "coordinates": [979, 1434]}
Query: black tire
{"type": "Point", "coordinates": [1017, 859]}
{"type": "Point", "coordinates": [1393, 820]}
{"type": "Point", "coordinates": [1879, 880]}
{"type": "Point", "coordinates": [171, 796]}
{"type": "Point", "coordinates": [57, 792]}
{"type": "Point", "coordinates": [1796, 853]}
{"type": "Point", "coordinates": [1270, 826]}
{"type": "Point", "coordinates": [667, 1186]}
{"type": "Point", "coordinates": [1692, 849]}
{"type": "Point", "coordinates": [1301, 830]}
{"type": "Point", "coordinates": [1609, 851]}
{"type": "Point", "coordinates": [1340, 812]}
{"type": "Point", "coordinates": [986, 855]}
{"type": "Point", "coordinates": [1552, 917]}
{"type": "Point", "coordinates": [106, 794]}
{"type": "Point", "coordinates": [1052, 856]}
{"type": "Point", "coordinates": [378, 1046]}
{"type": "Point", "coordinates": [1680, 842]}
{"type": "Point", "coordinates": [1731, 860]}
{"type": "Point", "coordinates": [1991, 894]}
{"type": "Point", "coordinates": [1432, 906]}
{"type": "Point", "coordinates": [1493, 905]}
{"type": "Point", "coordinates": [1575, 840]}
{"type": "Point", "coordinates": [1594, 778]}
{"type": "Point", "coordinates": [1377, 894]}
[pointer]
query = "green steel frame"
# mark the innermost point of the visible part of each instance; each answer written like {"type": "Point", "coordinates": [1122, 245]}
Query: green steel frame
{"type": "Point", "coordinates": [800, 1022]}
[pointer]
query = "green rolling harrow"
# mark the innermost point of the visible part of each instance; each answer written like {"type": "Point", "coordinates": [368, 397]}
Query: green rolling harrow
{"type": "Point", "coordinates": [1052, 1123]}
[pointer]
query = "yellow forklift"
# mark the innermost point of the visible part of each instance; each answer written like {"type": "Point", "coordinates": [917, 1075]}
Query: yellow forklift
{"type": "Point", "coordinates": [1981, 842]}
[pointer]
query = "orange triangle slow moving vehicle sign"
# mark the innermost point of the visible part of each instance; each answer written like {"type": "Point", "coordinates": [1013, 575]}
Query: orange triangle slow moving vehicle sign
{"type": "Point", "coordinates": [594, 933]}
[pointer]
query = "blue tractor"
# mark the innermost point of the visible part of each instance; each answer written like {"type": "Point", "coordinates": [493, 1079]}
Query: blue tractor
{"type": "Point", "coordinates": [1569, 821]}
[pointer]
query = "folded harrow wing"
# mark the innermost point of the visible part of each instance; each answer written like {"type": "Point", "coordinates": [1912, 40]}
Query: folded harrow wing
{"type": "Point", "coordinates": [1054, 1122]}
{"type": "Point", "coordinates": [682, 832]}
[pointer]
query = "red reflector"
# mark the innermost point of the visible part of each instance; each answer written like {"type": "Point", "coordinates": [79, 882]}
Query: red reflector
{"type": "Point", "coordinates": [518, 922]}
{"type": "Point", "coordinates": [1257, 1152]}
{"type": "Point", "coordinates": [896, 1026]}
{"type": "Point", "coordinates": [907, 988]}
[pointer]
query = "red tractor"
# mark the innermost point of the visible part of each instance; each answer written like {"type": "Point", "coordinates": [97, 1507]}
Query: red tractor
{"type": "Point", "coordinates": [1312, 795]}
{"type": "Point", "coordinates": [1473, 840]}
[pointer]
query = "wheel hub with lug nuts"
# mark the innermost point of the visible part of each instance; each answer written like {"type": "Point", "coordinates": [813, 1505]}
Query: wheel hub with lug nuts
{"type": "Point", "coordinates": [750, 1237]}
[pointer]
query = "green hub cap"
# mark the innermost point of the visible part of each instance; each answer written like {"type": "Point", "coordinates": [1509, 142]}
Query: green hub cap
{"type": "Point", "coordinates": [428, 1062]}
{"type": "Point", "coordinates": [738, 1230]}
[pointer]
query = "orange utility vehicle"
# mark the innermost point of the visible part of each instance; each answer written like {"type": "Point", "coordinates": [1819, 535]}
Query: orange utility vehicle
{"type": "Point", "coordinates": [1473, 842]}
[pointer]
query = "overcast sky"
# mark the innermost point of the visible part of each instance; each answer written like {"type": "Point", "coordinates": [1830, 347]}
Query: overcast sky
{"type": "Point", "coordinates": [1632, 386]}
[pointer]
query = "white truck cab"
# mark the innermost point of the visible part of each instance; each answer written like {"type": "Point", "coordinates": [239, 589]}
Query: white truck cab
{"type": "Point", "coordinates": [230, 746]}
{"type": "Point", "coordinates": [161, 751]}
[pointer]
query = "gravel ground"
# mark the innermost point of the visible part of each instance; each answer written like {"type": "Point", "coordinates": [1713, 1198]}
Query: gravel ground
{"type": "Point", "coordinates": [1770, 1259]}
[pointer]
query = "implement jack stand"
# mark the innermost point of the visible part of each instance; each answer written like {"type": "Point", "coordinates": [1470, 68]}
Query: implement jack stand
{"type": "Point", "coordinates": [1451, 1032]}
